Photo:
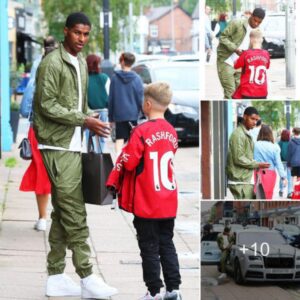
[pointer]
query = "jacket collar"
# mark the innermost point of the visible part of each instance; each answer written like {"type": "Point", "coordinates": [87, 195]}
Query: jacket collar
{"type": "Point", "coordinates": [246, 23]}
{"type": "Point", "coordinates": [245, 130]}
{"type": "Point", "coordinates": [65, 56]}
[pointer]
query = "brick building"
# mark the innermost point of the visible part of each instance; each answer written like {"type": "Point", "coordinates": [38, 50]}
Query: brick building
{"type": "Point", "coordinates": [170, 29]}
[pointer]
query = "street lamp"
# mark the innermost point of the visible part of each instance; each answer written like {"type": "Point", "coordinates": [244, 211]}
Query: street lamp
{"type": "Point", "coordinates": [106, 65]}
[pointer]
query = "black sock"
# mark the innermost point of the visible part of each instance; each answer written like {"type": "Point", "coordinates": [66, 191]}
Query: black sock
{"type": "Point", "coordinates": [154, 291]}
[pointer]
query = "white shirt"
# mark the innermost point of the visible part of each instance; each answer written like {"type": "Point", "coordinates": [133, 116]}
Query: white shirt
{"type": "Point", "coordinates": [246, 41]}
{"type": "Point", "coordinates": [76, 141]}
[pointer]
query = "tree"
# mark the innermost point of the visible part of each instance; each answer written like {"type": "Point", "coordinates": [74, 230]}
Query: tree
{"type": "Point", "coordinates": [273, 113]}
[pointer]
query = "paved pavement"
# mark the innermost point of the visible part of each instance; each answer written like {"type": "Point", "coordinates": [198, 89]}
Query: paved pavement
{"type": "Point", "coordinates": [228, 290]}
{"type": "Point", "coordinates": [276, 79]}
{"type": "Point", "coordinates": [115, 254]}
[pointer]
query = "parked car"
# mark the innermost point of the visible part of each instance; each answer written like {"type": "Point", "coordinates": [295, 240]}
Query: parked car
{"type": "Point", "coordinates": [290, 232]}
{"type": "Point", "coordinates": [210, 252]}
{"type": "Point", "coordinates": [273, 27]}
{"type": "Point", "coordinates": [276, 262]}
{"type": "Point", "coordinates": [183, 77]}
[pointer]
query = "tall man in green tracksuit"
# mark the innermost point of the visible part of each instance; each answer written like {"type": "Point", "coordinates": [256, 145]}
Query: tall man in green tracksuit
{"type": "Point", "coordinates": [240, 158]}
{"type": "Point", "coordinates": [60, 112]}
{"type": "Point", "coordinates": [235, 39]}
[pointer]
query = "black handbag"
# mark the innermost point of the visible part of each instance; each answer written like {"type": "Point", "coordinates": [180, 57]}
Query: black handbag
{"type": "Point", "coordinates": [95, 170]}
{"type": "Point", "coordinates": [25, 149]}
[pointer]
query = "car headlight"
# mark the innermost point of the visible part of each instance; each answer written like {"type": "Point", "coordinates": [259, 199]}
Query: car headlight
{"type": "Point", "coordinates": [181, 109]}
{"type": "Point", "coordinates": [253, 257]}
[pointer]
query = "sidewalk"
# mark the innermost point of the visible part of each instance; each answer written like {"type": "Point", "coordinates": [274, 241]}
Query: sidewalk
{"type": "Point", "coordinates": [115, 253]}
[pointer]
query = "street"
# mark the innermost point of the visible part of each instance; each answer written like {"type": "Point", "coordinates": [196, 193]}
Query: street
{"type": "Point", "coordinates": [276, 80]}
{"type": "Point", "coordinates": [229, 290]}
{"type": "Point", "coordinates": [115, 253]}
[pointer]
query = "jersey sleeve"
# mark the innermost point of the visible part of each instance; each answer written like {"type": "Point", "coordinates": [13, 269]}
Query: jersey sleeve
{"type": "Point", "coordinates": [240, 62]}
{"type": "Point", "coordinates": [133, 151]}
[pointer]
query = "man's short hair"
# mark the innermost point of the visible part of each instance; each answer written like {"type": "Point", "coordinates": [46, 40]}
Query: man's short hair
{"type": "Point", "coordinates": [128, 59]}
{"type": "Point", "coordinates": [77, 18]}
{"type": "Point", "coordinates": [159, 92]}
{"type": "Point", "coordinates": [250, 110]}
{"type": "Point", "coordinates": [259, 13]}
{"type": "Point", "coordinates": [227, 229]}
{"type": "Point", "coordinates": [296, 130]}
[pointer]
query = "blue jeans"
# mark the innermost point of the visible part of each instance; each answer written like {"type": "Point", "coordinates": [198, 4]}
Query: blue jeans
{"type": "Point", "coordinates": [289, 179]}
{"type": "Point", "coordinates": [103, 116]}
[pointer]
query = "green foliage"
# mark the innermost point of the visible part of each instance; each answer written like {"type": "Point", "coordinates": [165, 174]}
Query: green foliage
{"type": "Point", "coordinates": [56, 13]}
{"type": "Point", "coordinates": [272, 113]}
{"type": "Point", "coordinates": [10, 162]}
{"type": "Point", "coordinates": [15, 75]}
{"type": "Point", "coordinates": [14, 106]}
{"type": "Point", "coordinates": [222, 6]}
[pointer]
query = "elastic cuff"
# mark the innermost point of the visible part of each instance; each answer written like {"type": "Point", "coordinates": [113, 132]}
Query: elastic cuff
{"type": "Point", "coordinates": [85, 273]}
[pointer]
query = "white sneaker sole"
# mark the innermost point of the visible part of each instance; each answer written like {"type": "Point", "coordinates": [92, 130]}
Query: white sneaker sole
{"type": "Point", "coordinates": [63, 294]}
{"type": "Point", "coordinates": [87, 295]}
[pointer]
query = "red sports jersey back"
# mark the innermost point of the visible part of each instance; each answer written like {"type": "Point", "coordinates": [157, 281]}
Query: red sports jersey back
{"type": "Point", "coordinates": [253, 83]}
{"type": "Point", "coordinates": [150, 151]}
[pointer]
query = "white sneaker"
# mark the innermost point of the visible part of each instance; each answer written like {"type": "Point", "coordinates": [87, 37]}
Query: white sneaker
{"type": "Point", "coordinates": [40, 225]}
{"type": "Point", "coordinates": [61, 285]}
{"type": "Point", "coordinates": [94, 287]}
{"type": "Point", "coordinates": [222, 276]}
{"type": "Point", "coordinates": [149, 297]}
{"type": "Point", "coordinates": [174, 295]}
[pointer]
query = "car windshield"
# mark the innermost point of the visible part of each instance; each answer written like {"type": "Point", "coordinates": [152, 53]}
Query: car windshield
{"type": "Point", "coordinates": [175, 75]}
{"type": "Point", "coordinates": [249, 238]}
{"type": "Point", "coordinates": [291, 228]}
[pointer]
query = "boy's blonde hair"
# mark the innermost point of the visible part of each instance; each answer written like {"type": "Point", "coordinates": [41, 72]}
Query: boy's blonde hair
{"type": "Point", "coordinates": [160, 92]}
{"type": "Point", "coordinates": [256, 34]}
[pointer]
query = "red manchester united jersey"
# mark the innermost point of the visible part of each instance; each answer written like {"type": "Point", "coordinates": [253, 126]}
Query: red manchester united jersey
{"type": "Point", "coordinates": [254, 64]}
{"type": "Point", "coordinates": [150, 152]}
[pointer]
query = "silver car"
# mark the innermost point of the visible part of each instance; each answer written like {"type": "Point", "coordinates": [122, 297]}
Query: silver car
{"type": "Point", "coordinates": [263, 255]}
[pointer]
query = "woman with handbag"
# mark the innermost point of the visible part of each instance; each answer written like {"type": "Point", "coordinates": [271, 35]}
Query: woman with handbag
{"type": "Point", "coordinates": [266, 150]}
{"type": "Point", "coordinates": [35, 178]}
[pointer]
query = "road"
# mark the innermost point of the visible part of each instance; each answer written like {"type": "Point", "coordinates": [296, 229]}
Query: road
{"type": "Point", "coordinates": [229, 290]}
{"type": "Point", "coordinates": [276, 81]}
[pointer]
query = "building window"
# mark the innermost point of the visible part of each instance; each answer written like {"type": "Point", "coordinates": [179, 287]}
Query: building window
{"type": "Point", "coordinates": [153, 31]}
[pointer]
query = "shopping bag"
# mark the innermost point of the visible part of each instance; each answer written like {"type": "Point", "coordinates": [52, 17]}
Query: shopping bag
{"type": "Point", "coordinates": [95, 170]}
{"type": "Point", "coordinates": [25, 149]}
{"type": "Point", "coordinates": [296, 192]}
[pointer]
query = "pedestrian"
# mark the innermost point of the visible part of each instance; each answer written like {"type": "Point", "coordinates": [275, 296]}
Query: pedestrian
{"type": "Point", "coordinates": [293, 155]}
{"type": "Point", "coordinates": [60, 112]}
{"type": "Point", "coordinates": [254, 63]}
{"type": "Point", "coordinates": [35, 178]}
{"type": "Point", "coordinates": [283, 144]}
{"type": "Point", "coordinates": [149, 153]}
{"type": "Point", "coordinates": [220, 25]}
{"type": "Point", "coordinates": [233, 40]}
{"type": "Point", "coordinates": [125, 99]}
{"type": "Point", "coordinates": [208, 33]}
{"type": "Point", "coordinates": [240, 164]}
{"type": "Point", "coordinates": [265, 150]}
{"type": "Point", "coordinates": [98, 89]}
{"type": "Point", "coordinates": [225, 241]}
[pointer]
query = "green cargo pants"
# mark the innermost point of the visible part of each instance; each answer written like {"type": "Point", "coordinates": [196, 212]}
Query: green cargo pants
{"type": "Point", "coordinates": [242, 191]}
{"type": "Point", "coordinates": [223, 260]}
{"type": "Point", "coordinates": [229, 78]}
{"type": "Point", "coordinates": [69, 227]}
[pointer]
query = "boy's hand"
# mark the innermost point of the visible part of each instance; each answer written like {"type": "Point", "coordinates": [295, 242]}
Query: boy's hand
{"type": "Point", "coordinates": [238, 52]}
{"type": "Point", "coordinates": [97, 126]}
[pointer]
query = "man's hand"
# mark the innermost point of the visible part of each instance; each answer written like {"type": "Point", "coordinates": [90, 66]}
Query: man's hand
{"type": "Point", "coordinates": [97, 126]}
{"type": "Point", "coordinates": [263, 165]}
{"type": "Point", "coordinates": [238, 52]}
